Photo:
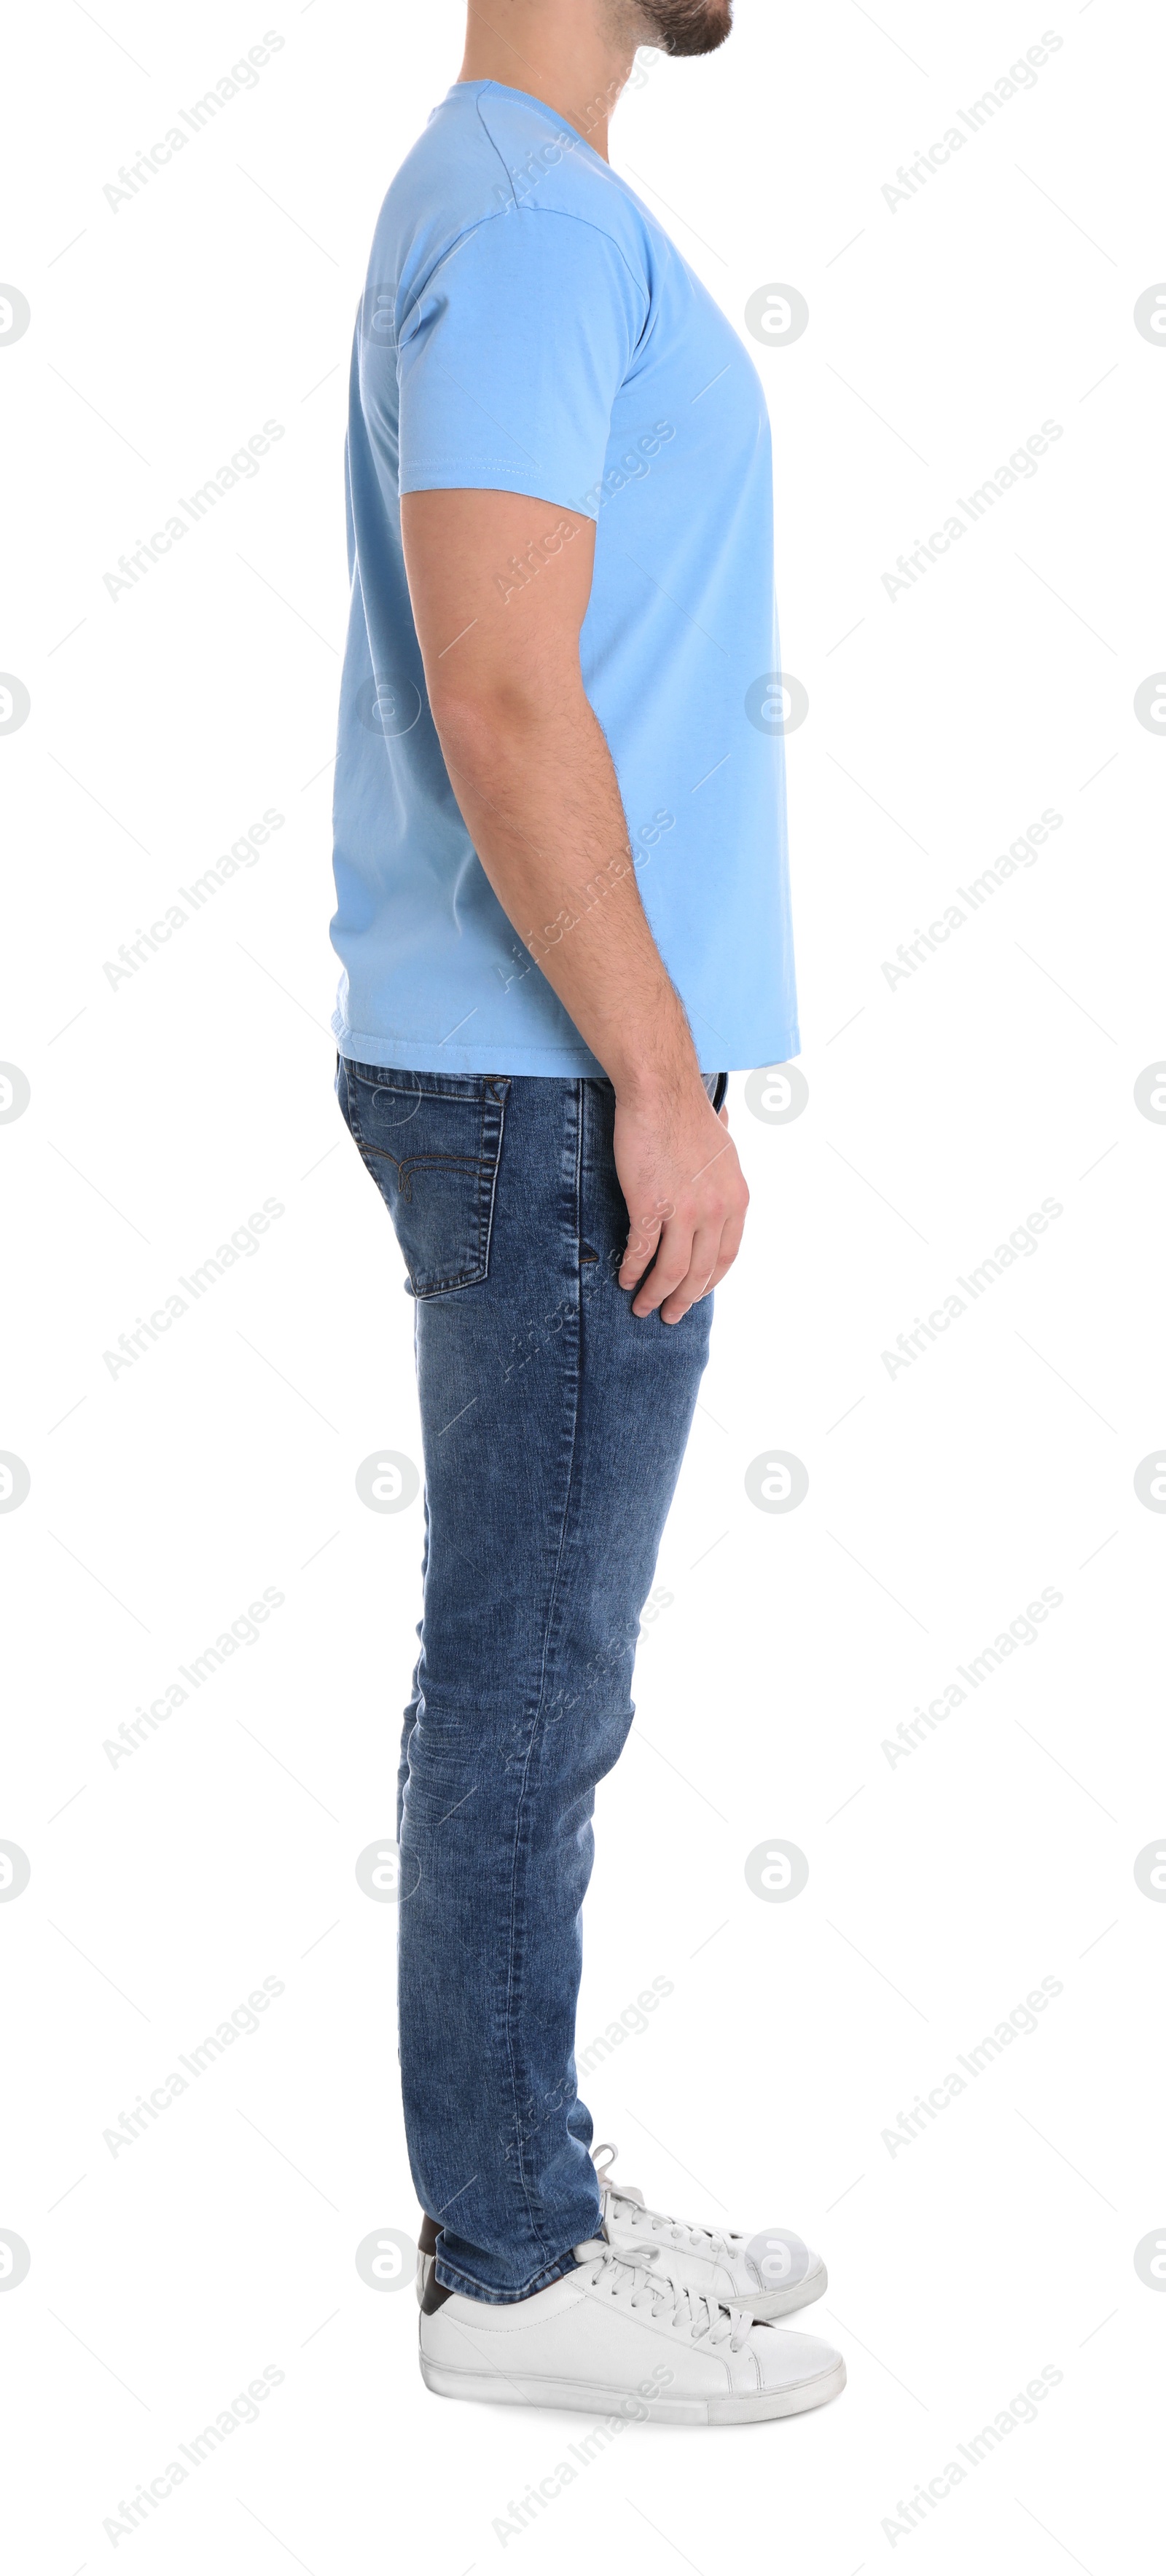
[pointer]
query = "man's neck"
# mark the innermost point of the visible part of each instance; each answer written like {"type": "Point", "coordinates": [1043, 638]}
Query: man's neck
{"type": "Point", "coordinates": [562, 51]}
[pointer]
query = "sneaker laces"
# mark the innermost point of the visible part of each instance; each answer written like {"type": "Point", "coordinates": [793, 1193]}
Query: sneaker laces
{"type": "Point", "coordinates": [630, 2276]}
{"type": "Point", "coordinates": [652, 2222]}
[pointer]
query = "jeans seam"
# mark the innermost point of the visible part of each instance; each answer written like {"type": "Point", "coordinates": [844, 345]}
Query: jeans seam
{"type": "Point", "coordinates": [534, 1731]}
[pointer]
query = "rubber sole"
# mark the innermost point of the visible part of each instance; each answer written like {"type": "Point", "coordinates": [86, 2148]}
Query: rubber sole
{"type": "Point", "coordinates": [573, 2397]}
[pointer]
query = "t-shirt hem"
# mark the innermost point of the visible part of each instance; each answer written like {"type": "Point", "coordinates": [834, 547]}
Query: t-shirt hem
{"type": "Point", "coordinates": [527, 484]}
{"type": "Point", "coordinates": [404, 1054]}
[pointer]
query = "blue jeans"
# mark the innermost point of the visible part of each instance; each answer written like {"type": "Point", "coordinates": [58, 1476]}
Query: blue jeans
{"type": "Point", "coordinates": [554, 1423]}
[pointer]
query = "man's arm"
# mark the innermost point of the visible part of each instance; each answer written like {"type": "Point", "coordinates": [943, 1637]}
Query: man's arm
{"type": "Point", "coordinates": [534, 780]}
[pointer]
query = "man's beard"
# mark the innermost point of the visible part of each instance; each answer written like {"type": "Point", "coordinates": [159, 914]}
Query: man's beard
{"type": "Point", "coordinates": [687, 26]}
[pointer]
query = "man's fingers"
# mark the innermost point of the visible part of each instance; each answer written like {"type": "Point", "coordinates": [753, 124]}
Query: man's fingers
{"type": "Point", "coordinates": [643, 1238]}
{"type": "Point", "coordinates": [698, 1278]}
{"type": "Point", "coordinates": [673, 1255]}
{"type": "Point", "coordinates": [729, 1250]}
{"type": "Point", "coordinates": [732, 1238]}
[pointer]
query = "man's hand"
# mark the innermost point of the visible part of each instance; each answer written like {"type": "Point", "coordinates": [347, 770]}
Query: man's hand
{"type": "Point", "coordinates": [686, 1199]}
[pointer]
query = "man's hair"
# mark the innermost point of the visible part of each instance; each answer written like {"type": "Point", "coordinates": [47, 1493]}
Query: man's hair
{"type": "Point", "coordinates": [687, 26]}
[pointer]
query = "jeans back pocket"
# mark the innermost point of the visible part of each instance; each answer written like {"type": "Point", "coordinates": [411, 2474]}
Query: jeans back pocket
{"type": "Point", "coordinates": [432, 1142]}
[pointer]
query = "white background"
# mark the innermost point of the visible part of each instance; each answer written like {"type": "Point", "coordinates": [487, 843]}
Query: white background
{"type": "Point", "coordinates": [942, 1886]}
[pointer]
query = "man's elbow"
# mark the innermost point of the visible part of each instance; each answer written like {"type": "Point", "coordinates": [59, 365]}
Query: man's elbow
{"type": "Point", "coordinates": [476, 718]}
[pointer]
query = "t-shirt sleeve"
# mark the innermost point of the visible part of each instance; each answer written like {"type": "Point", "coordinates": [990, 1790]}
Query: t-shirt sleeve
{"type": "Point", "coordinates": [511, 359]}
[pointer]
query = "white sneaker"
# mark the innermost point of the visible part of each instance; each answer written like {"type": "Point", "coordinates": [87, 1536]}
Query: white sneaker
{"type": "Point", "coordinates": [769, 2274]}
{"type": "Point", "coordinates": [616, 2337]}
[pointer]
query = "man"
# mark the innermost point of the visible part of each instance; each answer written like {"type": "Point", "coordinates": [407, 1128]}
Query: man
{"type": "Point", "coordinates": [562, 916]}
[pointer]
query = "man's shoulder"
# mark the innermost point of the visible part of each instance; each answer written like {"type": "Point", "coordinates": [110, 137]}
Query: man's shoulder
{"type": "Point", "coordinates": [490, 156]}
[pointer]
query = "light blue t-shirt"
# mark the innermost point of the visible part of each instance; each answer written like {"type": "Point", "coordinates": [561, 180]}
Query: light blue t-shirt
{"type": "Point", "coordinates": [528, 327]}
